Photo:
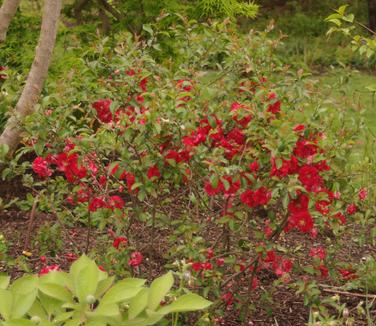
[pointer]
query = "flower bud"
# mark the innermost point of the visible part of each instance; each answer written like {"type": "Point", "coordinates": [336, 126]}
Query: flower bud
{"type": "Point", "coordinates": [90, 299]}
{"type": "Point", "coordinates": [35, 319]}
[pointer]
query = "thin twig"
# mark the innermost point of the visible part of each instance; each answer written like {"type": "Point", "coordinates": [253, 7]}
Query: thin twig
{"type": "Point", "coordinates": [31, 222]}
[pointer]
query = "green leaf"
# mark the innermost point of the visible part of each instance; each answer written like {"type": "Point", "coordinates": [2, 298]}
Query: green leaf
{"type": "Point", "coordinates": [4, 281]}
{"type": "Point", "coordinates": [20, 322]}
{"type": "Point", "coordinates": [158, 290]}
{"type": "Point", "coordinates": [85, 278]}
{"type": "Point", "coordinates": [63, 317]}
{"type": "Point", "coordinates": [56, 291]}
{"type": "Point", "coordinates": [6, 299]}
{"type": "Point", "coordinates": [105, 310]}
{"type": "Point", "coordinates": [22, 303]}
{"type": "Point", "coordinates": [103, 286]}
{"type": "Point", "coordinates": [341, 10]}
{"type": "Point", "coordinates": [122, 291]}
{"type": "Point", "coordinates": [138, 303]}
{"type": "Point", "coordinates": [187, 302]}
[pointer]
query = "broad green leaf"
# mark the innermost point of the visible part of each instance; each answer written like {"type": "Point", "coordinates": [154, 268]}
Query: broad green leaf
{"type": "Point", "coordinates": [56, 291]}
{"type": "Point", "coordinates": [6, 299]}
{"type": "Point", "coordinates": [86, 281]}
{"type": "Point", "coordinates": [37, 310]}
{"type": "Point", "coordinates": [73, 322]}
{"type": "Point", "coordinates": [103, 286]}
{"type": "Point", "coordinates": [105, 310]}
{"type": "Point", "coordinates": [187, 302]}
{"type": "Point", "coordinates": [4, 281]}
{"type": "Point", "coordinates": [120, 292]}
{"type": "Point", "coordinates": [20, 322]}
{"type": "Point", "coordinates": [24, 284]}
{"type": "Point", "coordinates": [57, 277]}
{"type": "Point", "coordinates": [63, 317]}
{"type": "Point", "coordinates": [138, 303]}
{"type": "Point", "coordinates": [22, 303]}
{"type": "Point", "coordinates": [158, 290]}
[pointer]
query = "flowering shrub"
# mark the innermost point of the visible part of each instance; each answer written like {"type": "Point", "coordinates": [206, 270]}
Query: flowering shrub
{"type": "Point", "coordinates": [216, 154]}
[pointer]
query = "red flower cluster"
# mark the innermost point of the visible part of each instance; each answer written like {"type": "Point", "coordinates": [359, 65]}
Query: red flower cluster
{"type": "Point", "coordinates": [118, 241]}
{"type": "Point", "coordinates": [40, 167]}
{"type": "Point", "coordinates": [259, 197]}
{"type": "Point", "coordinates": [278, 264]}
{"type": "Point", "coordinates": [136, 259]}
{"type": "Point", "coordinates": [226, 185]}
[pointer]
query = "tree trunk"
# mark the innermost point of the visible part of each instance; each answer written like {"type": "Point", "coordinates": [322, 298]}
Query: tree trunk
{"type": "Point", "coordinates": [372, 14]}
{"type": "Point", "coordinates": [12, 133]}
{"type": "Point", "coordinates": [7, 11]}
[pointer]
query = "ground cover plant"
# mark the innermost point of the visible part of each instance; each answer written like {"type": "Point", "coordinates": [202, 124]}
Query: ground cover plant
{"type": "Point", "coordinates": [196, 152]}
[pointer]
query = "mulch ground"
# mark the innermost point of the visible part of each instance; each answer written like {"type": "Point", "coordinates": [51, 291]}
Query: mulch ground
{"type": "Point", "coordinates": [269, 305]}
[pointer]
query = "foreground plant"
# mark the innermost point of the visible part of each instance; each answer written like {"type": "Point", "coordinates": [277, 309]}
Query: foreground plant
{"type": "Point", "coordinates": [88, 296]}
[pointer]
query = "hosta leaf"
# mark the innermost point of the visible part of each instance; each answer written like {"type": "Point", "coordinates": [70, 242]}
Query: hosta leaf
{"type": "Point", "coordinates": [103, 286]}
{"type": "Point", "coordinates": [120, 292]}
{"type": "Point", "coordinates": [22, 303]}
{"type": "Point", "coordinates": [158, 290]}
{"type": "Point", "coordinates": [138, 303]}
{"type": "Point", "coordinates": [187, 302]}
{"type": "Point", "coordinates": [6, 299]}
{"type": "Point", "coordinates": [4, 281]}
{"type": "Point", "coordinates": [56, 291]}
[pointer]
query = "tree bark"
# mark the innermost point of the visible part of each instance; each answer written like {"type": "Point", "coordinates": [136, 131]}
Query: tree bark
{"type": "Point", "coordinates": [12, 133]}
{"type": "Point", "coordinates": [372, 14]}
{"type": "Point", "coordinates": [7, 11]}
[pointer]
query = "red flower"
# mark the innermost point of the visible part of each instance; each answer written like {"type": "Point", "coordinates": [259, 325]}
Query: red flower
{"type": "Point", "coordinates": [220, 262]}
{"type": "Point", "coordinates": [351, 209]}
{"type": "Point", "coordinates": [299, 128]}
{"type": "Point", "coordinates": [70, 256]}
{"type": "Point", "coordinates": [254, 166]}
{"type": "Point", "coordinates": [228, 298]}
{"type": "Point", "coordinates": [210, 190]}
{"type": "Point", "coordinates": [40, 167]}
{"type": "Point", "coordinates": [197, 266]}
{"type": "Point", "coordinates": [324, 271]}
{"type": "Point", "coordinates": [136, 259]}
{"type": "Point", "coordinates": [103, 110]}
{"type": "Point", "coordinates": [302, 221]}
{"type": "Point", "coordinates": [119, 241]}
{"type": "Point", "coordinates": [47, 269]}
{"type": "Point", "coordinates": [115, 202]}
{"type": "Point", "coordinates": [209, 253]}
{"type": "Point", "coordinates": [255, 198]}
{"type": "Point", "coordinates": [274, 107]}
{"type": "Point", "coordinates": [153, 172]}
{"type": "Point", "coordinates": [304, 148]}
{"type": "Point", "coordinates": [363, 193]}
{"type": "Point", "coordinates": [299, 204]}
{"type": "Point", "coordinates": [310, 178]}
{"type": "Point", "coordinates": [318, 252]}
{"type": "Point", "coordinates": [340, 217]}
{"type": "Point", "coordinates": [322, 206]}
{"type": "Point", "coordinates": [348, 275]}
{"type": "Point", "coordinates": [237, 136]}
{"type": "Point", "coordinates": [97, 203]}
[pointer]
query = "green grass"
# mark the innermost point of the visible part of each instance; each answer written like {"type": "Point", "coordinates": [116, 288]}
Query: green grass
{"type": "Point", "coordinates": [349, 87]}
